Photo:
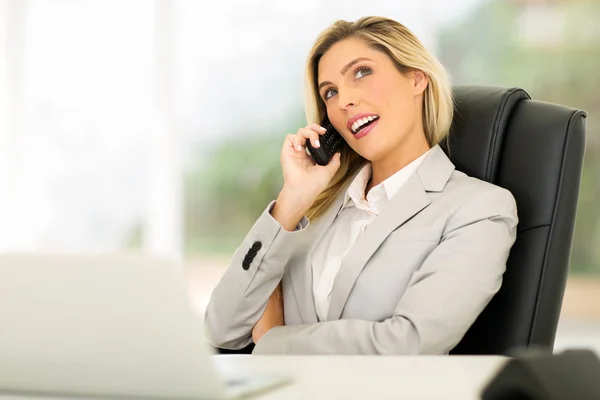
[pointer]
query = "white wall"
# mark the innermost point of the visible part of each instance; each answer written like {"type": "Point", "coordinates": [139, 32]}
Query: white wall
{"type": "Point", "coordinates": [12, 42]}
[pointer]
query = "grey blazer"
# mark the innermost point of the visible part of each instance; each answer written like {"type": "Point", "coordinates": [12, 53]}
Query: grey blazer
{"type": "Point", "coordinates": [414, 282]}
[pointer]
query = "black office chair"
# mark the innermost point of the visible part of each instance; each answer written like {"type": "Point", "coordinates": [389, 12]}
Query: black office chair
{"type": "Point", "coordinates": [535, 150]}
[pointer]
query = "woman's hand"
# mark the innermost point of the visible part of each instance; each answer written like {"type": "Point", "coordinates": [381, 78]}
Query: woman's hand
{"type": "Point", "coordinates": [303, 178]}
{"type": "Point", "coordinates": [272, 317]}
{"type": "Point", "coordinates": [300, 172]}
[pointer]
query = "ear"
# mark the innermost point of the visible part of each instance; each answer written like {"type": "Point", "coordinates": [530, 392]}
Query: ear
{"type": "Point", "coordinates": [420, 81]}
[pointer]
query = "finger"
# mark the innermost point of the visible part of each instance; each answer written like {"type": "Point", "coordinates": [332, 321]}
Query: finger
{"type": "Point", "coordinates": [334, 163]}
{"type": "Point", "coordinates": [295, 142]}
{"type": "Point", "coordinates": [317, 128]}
{"type": "Point", "coordinates": [309, 134]}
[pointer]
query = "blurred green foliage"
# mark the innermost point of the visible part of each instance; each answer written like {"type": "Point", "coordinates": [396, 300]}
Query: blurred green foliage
{"type": "Point", "coordinates": [228, 188]}
{"type": "Point", "coordinates": [495, 45]}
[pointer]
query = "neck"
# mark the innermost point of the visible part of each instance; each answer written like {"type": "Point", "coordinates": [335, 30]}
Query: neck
{"type": "Point", "coordinates": [397, 159]}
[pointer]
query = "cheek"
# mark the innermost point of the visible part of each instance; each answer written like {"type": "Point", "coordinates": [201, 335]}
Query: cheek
{"type": "Point", "coordinates": [336, 117]}
{"type": "Point", "coordinates": [379, 93]}
{"type": "Point", "coordinates": [392, 99]}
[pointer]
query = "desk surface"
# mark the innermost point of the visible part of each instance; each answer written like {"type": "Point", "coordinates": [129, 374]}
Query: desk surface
{"type": "Point", "coordinates": [366, 377]}
{"type": "Point", "coordinates": [372, 377]}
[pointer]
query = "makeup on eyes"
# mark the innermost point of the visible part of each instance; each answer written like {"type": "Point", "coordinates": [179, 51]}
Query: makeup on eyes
{"type": "Point", "coordinates": [369, 71]}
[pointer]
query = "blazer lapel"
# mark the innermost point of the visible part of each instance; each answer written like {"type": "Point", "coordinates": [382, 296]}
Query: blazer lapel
{"type": "Point", "coordinates": [407, 202]}
{"type": "Point", "coordinates": [300, 275]}
{"type": "Point", "coordinates": [432, 175]}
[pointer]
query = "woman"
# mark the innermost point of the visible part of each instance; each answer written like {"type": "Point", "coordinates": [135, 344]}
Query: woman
{"type": "Point", "coordinates": [402, 252]}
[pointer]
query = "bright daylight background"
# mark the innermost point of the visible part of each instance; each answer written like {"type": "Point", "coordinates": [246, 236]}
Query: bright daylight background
{"type": "Point", "coordinates": [155, 126]}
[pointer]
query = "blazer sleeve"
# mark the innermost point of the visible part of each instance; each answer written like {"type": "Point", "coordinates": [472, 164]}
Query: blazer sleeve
{"type": "Point", "coordinates": [444, 297]}
{"type": "Point", "coordinates": [256, 268]}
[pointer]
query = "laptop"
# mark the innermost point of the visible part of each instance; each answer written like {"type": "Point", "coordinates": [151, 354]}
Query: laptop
{"type": "Point", "coordinates": [107, 326]}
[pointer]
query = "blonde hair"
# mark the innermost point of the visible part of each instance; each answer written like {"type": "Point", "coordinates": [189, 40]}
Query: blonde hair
{"type": "Point", "coordinates": [408, 53]}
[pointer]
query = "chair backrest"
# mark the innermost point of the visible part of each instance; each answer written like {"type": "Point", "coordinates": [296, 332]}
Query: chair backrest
{"type": "Point", "coordinates": [535, 150]}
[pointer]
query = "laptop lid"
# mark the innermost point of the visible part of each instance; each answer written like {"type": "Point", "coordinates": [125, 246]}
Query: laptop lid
{"type": "Point", "coordinates": [119, 325]}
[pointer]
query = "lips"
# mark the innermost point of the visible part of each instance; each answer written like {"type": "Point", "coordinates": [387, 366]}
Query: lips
{"type": "Point", "coordinates": [361, 121]}
{"type": "Point", "coordinates": [365, 130]}
{"type": "Point", "coordinates": [356, 118]}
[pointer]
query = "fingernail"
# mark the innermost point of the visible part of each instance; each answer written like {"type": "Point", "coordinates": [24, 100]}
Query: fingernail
{"type": "Point", "coordinates": [323, 129]}
{"type": "Point", "coordinates": [299, 147]}
{"type": "Point", "coordinates": [317, 144]}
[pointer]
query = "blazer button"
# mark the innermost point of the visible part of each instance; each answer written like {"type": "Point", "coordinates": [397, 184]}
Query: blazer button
{"type": "Point", "coordinates": [246, 265]}
{"type": "Point", "coordinates": [256, 246]}
{"type": "Point", "coordinates": [251, 253]}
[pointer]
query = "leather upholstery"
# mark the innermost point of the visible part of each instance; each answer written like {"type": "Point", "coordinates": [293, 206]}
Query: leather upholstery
{"type": "Point", "coordinates": [535, 150]}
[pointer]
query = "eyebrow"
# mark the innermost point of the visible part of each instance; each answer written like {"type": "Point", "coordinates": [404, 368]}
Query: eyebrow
{"type": "Point", "coordinates": [345, 69]}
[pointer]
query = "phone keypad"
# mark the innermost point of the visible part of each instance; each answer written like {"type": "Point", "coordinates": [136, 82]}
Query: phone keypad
{"type": "Point", "coordinates": [330, 143]}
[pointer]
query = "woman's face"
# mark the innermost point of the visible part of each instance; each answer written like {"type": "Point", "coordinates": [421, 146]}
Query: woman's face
{"type": "Point", "coordinates": [359, 84]}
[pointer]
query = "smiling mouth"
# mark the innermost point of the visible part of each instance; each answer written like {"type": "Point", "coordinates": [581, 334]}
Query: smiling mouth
{"type": "Point", "coordinates": [363, 123]}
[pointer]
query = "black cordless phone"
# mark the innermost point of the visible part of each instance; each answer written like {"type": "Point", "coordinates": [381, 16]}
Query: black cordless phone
{"type": "Point", "coordinates": [330, 142]}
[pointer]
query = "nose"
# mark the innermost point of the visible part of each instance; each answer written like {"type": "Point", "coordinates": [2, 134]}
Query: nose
{"type": "Point", "coordinates": [347, 99]}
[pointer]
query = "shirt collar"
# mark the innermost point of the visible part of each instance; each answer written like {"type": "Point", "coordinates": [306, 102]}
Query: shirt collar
{"type": "Point", "coordinates": [394, 183]}
{"type": "Point", "coordinates": [356, 190]}
{"type": "Point", "coordinates": [389, 187]}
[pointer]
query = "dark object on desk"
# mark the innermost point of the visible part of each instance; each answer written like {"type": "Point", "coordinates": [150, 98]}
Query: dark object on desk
{"type": "Point", "coordinates": [573, 374]}
{"type": "Point", "coordinates": [246, 350]}
{"type": "Point", "coordinates": [535, 150]}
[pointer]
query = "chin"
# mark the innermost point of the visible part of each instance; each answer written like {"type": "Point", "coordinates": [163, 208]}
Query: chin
{"type": "Point", "coordinates": [369, 149]}
{"type": "Point", "coordinates": [370, 155]}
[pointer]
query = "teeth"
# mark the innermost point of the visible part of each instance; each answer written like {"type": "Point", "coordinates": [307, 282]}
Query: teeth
{"type": "Point", "coordinates": [359, 123]}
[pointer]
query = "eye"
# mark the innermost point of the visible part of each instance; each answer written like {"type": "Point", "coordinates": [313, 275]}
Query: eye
{"type": "Point", "coordinates": [328, 93]}
{"type": "Point", "coordinates": [362, 72]}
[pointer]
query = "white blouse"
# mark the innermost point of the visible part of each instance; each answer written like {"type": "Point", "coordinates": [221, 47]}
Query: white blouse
{"type": "Point", "coordinates": [355, 215]}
